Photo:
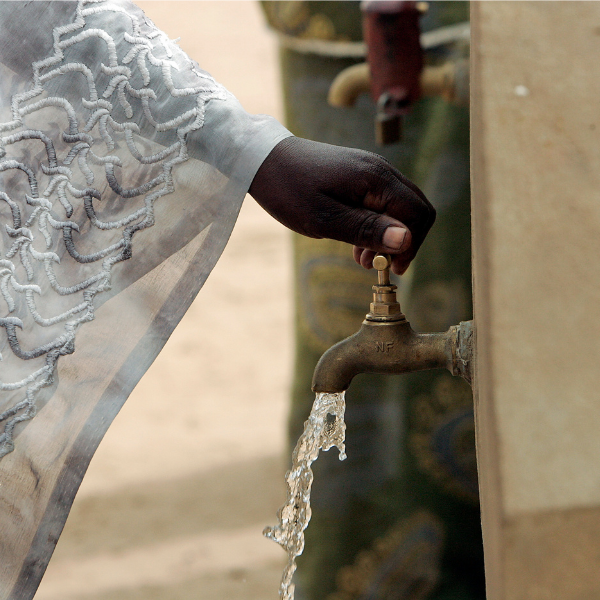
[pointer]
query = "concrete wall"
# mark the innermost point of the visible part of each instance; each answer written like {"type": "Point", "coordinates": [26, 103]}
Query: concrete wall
{"type": "Point", "coordinates": [536, 221]}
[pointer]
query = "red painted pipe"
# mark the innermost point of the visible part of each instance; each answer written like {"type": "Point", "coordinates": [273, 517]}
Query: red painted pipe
{"type": "Point", "coordinates": [392, 33]}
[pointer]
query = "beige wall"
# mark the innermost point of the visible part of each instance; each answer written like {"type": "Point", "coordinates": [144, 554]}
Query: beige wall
{"type": "Point", "coordinates": [536, 217]}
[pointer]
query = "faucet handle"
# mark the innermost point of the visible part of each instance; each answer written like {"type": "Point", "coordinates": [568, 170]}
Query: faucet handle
{"type": "Point", "coordinates": [382, 263]}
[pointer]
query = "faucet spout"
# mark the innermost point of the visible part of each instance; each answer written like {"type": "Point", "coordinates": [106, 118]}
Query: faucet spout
{"type": "Point", "coordinates": [386, 343]}
{"type": "Point", "coordinates": [393, 347]}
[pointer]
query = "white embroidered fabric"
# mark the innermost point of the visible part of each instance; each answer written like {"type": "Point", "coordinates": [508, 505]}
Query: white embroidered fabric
{"type": "Point", "coordinates": [122, 170]}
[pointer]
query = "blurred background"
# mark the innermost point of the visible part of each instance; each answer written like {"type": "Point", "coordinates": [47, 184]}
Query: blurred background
{"type": "Point", "coordinates": [174, 502]}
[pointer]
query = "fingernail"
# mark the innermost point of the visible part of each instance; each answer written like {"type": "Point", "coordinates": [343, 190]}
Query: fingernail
{"type": "Point", "coordinates": [393, 237]}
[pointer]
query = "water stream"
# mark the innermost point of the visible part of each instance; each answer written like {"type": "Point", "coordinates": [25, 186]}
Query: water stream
{"type": "Point", "coordinates": [324, 429]}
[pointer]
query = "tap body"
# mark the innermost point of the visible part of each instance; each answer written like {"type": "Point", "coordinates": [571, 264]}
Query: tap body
{"type": "Point", "coordinates": [394, 347]}
{"type": "Point", "coordinates": [386, 343]}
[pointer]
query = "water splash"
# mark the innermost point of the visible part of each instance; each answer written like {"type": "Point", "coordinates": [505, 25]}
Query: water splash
{"type": "Point", "coordinates": [324, 429]}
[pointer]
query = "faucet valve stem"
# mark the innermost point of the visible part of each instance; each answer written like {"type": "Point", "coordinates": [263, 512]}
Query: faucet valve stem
{"type": "Point", "coordinates": [385, 306]}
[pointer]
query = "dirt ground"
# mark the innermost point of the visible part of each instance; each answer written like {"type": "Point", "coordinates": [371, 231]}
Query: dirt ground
{"type": "Point", "coordinates": [191, 471]}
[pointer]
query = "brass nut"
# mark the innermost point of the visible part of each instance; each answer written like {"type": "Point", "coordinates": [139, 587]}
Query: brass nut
{"type": "Point", "coordinates": [384, 310]}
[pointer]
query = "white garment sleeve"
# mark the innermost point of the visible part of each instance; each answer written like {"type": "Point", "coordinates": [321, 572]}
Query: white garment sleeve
{"type": "Point", "coordinates": [122, 170]}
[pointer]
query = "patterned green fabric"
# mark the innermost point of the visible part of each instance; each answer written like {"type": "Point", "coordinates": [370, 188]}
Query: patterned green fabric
{"type": "Point", "coordinates": [315, 19]}
{"type": "Point", "coordinates": [399, 519]}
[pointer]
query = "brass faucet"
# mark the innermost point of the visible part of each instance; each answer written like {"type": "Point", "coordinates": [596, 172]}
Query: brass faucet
{"type": "Point", "coordinates": [386, 343]}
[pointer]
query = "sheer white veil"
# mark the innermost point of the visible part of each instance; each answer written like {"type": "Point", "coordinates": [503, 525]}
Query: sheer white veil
{"type": "Point", "coordinates": [122, 169]}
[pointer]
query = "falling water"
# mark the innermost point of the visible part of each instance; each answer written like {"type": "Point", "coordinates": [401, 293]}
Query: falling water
{"type": "Point", "coordinates": [324, 428]}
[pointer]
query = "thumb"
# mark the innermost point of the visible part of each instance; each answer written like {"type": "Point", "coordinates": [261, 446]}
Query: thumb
{"type": "Point", "coordinates": [374, 231]}
{"type": "Point", "coordinates": [396, 239]}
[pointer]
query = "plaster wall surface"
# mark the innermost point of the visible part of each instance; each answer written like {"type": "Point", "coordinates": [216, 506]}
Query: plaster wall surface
{"type": "Point", "coordinates": [536, 216]}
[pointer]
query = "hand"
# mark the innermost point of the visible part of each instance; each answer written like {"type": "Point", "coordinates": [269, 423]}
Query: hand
{"type": "Point", "coordinates": [345, 194]}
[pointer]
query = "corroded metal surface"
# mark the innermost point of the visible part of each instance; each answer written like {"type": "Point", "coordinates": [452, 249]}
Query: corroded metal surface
{"type": "Point", "coordinates": [462, 347]}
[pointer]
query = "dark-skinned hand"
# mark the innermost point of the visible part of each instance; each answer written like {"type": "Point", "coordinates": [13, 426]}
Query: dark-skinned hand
{"type": "Point", "coordinates": [325, 191]}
